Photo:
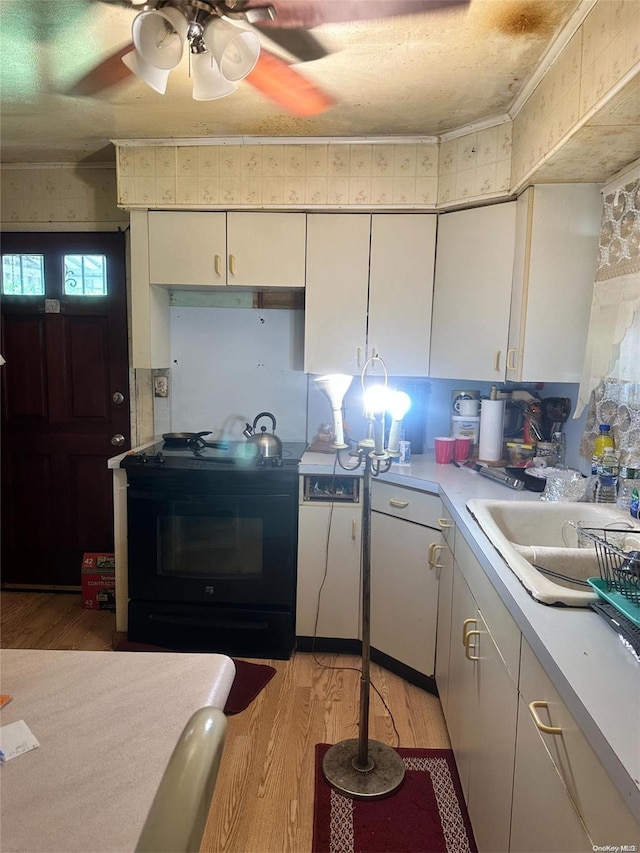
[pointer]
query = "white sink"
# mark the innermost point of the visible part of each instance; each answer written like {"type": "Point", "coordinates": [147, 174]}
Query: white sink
{"type": "Point", "coordinates": [529, 534]}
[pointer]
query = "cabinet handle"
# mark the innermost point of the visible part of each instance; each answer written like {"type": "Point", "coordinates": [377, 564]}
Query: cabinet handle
{"type": "Point", "coordinates": [468, 648]}
{"type": "Point", "coordinates": [232, 264]}
{"type": "Point", "coordinates": [445, 523]}
{"type": "Point", "coordinates": [496, 360]}
{"type": "Point", "coordinates": [354, 529]}
{"type": "Point", "coordinates": [434, 553]}
{"type": "Point", "coordinates": [398, 504]}
{"type": "Point", "coordinates": [216, 264]}
{"type": "Point", "coordinates": [550, 730]}
{"type": "Point", "coordinates": [512, 363]}
{"type": "Point", "coordinates": [464, 630]}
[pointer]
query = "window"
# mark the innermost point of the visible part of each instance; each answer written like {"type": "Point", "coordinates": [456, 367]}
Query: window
{"type": "Point", "coordinates": [85, 275]}
{"type": "Point", "coordinates": [23, 275]}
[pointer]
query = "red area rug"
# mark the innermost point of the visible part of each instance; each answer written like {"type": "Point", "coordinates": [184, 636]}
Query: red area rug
{"type": "Point", "coordinates": [427, 813]}
{"type": "Point", "coordinates": [250, 678]}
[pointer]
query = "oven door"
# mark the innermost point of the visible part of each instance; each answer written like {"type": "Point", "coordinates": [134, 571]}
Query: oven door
{"type": "Point", "coordinates": [237, 549]}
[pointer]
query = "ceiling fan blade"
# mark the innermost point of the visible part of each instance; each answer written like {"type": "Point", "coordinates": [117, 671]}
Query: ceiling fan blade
{"type": "Point", "coordinates": [296, 41]}
{"type": "Point", "coordinates": [312, 13]}
{"type": "Point", "coordinates": [106, 74]}
{"type": "Point", "coordinates": [281, 83]}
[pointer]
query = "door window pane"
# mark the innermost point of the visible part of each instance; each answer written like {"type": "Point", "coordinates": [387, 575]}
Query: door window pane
{"type": "Point", "coordinates": [85, 275]}
{"type": "Point", "coordinates": [23, 275]}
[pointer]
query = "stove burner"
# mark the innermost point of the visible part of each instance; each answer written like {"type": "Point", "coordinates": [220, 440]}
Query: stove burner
{"type": "Point", "coordinates": [199, 453]}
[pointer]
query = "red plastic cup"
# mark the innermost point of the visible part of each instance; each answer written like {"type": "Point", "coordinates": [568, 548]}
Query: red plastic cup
{"type": "Point", "coordinates": [462, 448]}
{"type": "Point", "coordinates": [444, 449]}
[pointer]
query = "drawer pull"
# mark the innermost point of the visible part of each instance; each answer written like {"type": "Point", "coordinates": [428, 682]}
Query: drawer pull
{"type": "Point", "coordinates": [512, 359]}
{"type": "Point", "coordinates": [232, 264]}
{"type": "Point", "coordinates": [464, 629]}
{"type": "Point", "coordinates": [398, 504]}
{"type": "Point", "coordinates": [434, 552]}
{"type": "Point", "coordinates": [550, 730]}
{"type": "Point", "coordinates": [445, 523]}
{"type": "Point", "coordinates": [216, 264]}
{"type": "Point", "coordinates": [468, 647]}
{"type": "Point", "coordinates": [354, 529]}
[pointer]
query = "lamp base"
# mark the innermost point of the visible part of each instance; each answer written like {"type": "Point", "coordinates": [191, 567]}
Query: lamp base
{"type": "Point", "coordinates": [381, 778]}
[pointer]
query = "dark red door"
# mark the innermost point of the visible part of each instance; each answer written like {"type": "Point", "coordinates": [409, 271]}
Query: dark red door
{"type": "Point", "coordinates": [65, 400]}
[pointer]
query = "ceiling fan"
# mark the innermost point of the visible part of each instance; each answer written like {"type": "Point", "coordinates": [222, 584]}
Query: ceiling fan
{"type": "Point", "coordinates": [224, 39]}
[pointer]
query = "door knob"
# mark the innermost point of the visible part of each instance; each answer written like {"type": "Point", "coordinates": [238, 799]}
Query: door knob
{"type": "Point", "coordinates": [118, 439]}
{"type": "Point", "coordinates": [118, 398]}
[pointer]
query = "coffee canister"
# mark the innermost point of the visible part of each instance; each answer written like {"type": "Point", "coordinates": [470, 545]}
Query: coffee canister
{"type": "Point", "coordinates": [465, 427]}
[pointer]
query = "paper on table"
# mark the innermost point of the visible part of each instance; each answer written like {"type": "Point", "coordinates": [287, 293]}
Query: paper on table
{"type": "Point", "coordinates": [15, 739]}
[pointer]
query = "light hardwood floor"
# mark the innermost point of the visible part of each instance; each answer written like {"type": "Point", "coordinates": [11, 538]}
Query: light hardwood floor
{"type": "Point", "coordinates": [263, 801]}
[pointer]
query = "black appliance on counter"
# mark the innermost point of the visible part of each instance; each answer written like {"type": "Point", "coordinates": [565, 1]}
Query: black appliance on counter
{"type": "Point", "coordinates": [212, 548]}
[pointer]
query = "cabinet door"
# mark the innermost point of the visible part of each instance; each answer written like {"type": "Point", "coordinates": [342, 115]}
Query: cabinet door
{"type": "Point", "coordinates": [401, 291]}
{"type": "Point", "coordinates": [472, 292]}
{"type": "Point", "coordinates": [187, 248]}
{"type": "Point", "coordinates": [404, 592]}
{"type": "Point", "coordinates": [443, 632]}
{"type": "Point", "coordinates": [558, 231]}
{"type": "Point", "coordinates": [266, 249]}
{"type": "Point", "coordinates": [561, 790]}
{"type": "Point", "coordinates": [329, 574]}
{"type": "Point", "coordinates": [493, 739]}
{"type": "Point", "coordinates": [461, 701]}
{"type": "Point", "coordinates": [336, 292]}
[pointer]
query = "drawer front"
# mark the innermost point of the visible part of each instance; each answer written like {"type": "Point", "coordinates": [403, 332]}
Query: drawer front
{"type": "Point", "coordinates": [419, 507]}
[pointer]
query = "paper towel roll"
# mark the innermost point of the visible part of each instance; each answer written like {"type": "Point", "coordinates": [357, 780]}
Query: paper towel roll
{"type": "Point", "coordinates": [491, 428]}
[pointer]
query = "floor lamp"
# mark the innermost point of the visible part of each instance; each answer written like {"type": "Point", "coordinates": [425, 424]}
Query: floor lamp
{"type": "Point", "coordinates": [362, 768]}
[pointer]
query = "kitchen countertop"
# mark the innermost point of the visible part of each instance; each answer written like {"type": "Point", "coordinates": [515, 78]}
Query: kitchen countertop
{"type": "Point", "coordinates": [597, 678]}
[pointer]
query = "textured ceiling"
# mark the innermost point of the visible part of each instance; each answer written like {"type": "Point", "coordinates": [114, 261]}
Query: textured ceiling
{"type": "Point", "coordinates": [419, 74]}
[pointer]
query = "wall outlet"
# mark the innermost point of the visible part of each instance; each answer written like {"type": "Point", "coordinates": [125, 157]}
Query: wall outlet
{"type": "Point", "coordinates": [160, 386]}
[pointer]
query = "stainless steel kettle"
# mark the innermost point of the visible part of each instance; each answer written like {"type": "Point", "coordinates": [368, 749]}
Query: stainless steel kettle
{"type": "Point", "coordinates": [267, 445]}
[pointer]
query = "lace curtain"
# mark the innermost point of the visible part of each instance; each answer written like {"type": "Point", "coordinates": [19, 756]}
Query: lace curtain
{"type": "Point", "coordinates": [610, 385]}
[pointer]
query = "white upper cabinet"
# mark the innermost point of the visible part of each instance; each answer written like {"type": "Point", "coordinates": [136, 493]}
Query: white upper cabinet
{"type": "Point", "coordinates": [191, 249]}
{"type": "Point", "coordinates": [472, 292]}
{"type": "Point", "coordinates": [558, 230]}
{"type": "Point", "coordinates": [335, 325]}
{"type": "Point", "coordinates": [369, 291]}
{"type": "Point", "coordinates": [401, 291]}
{"type": "Point", "coordinates": [266, 249]}
{"type": "Point", "coordinates": [187, 248]}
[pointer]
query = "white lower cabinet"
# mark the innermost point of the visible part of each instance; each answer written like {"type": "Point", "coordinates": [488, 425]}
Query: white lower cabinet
{"type": "Point", "coordinates": [404, 575]}
{"type": "Point", "coordinates": [329, 559]}
{"type": "Point", "coordinates": [563, 800]}
{"type": "Point", "coordinates": [443, 630]}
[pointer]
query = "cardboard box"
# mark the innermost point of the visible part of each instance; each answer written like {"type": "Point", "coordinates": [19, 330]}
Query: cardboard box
{"type": "Point", "coordinates": [99, 581]}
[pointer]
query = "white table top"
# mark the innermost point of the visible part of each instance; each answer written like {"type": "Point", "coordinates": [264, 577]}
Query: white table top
{"type": "Point", "coordinates": [107, 724]}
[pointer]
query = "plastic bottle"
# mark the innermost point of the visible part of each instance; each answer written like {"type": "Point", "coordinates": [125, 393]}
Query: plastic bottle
{"type": "Point", "coordinates": [608, 470]}
{"type": "Point", "coordinates": [604, 440]}
{"type": "Point", "coordinates": [634, 504]}
{"type": "Point", "coordinates": [561, 449]}
{"type": "Point", "coordinates": [627, 481]}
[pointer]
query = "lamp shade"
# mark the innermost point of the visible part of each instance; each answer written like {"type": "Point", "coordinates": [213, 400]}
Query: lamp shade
{"type": "Point", "coordinates": [334, 386]}
{"type": "Point", "coordinates": [157, 78]}
{"type": "Point", "coordinates": [208, 82]}
{"type": "Point", "coordinates": [159, 36]}
{"type": "Point", "coordinates": [236, 50]}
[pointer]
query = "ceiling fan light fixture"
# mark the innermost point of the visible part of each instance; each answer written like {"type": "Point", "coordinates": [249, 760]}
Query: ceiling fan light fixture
{"type": "Point", "coordinates": [156, 78]}
{"type": "Point", "coordinates": [208, 83]}
{"type": "Point", "coordinates": [235, 49]}
{"type": "Point", "coordinates": [159, 35]}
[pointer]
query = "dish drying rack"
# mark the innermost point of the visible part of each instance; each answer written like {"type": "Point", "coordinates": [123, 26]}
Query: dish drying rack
{"type": "Point", "coordinates": [619, 581]}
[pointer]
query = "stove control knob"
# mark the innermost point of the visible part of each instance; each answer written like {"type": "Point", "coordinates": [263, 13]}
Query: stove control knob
{"type": "Point", "coordinates": [159, 459]}
{"type": "Point", "coordinates": [142, 458]}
